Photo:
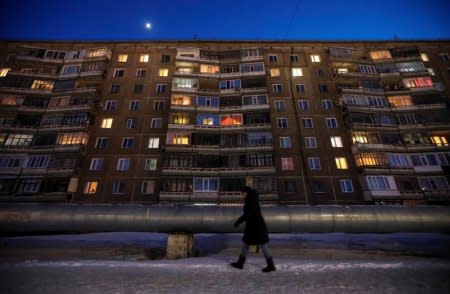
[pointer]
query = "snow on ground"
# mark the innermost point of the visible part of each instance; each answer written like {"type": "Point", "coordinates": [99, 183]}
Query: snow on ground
{"type": "Point", "coordinates": [306, 263]}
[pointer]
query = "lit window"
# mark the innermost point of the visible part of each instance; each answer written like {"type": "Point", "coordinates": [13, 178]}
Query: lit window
{"type": "Point", "coordinates": [153, 142]}
{"type": "Point", "coordinates": [180, 119]}
{"type": "Point", "coordinates": [336, 142]}
{"type": "Point", "coordinates": [341, 163]}
{"type": "Point", "coordinates": [274, 72]}
{"type": "Point", "coordinates": [180, 139]}
{"type": "Point", "coordinates": [346, 185]}
{"type": "Point", "coordinates": [287, 163]}
{"type": "Point", "coordinates": [297, 72]}
{"type": "Point", "coordinates": [315, 58]}
{"type": "Point", "coordinates": [231, 120]}
{"type": "Point", "coordinates": [439, 140]}
{"type": "Point", "coordinates": [342, 70]}
{"type": "Point", "coordinates": [98, 52]}
{"type": "Point", "coordinates": [369, 159]}
{"type": "Point", "coordinates": [380, 54]}
{"type": "Point", "coordinates": [181, 100]}
{"type": "Point", "coordinates": [399, 101]}
{"type": "Point", "coordinates": [163, 72]}
{"type": "Point", "coordinates": [211, 69]}
{"type": "Point", "coordinates": [72, 139]}
{"type": "Point", "coordinates": [18, 140]}
{"type": "Point", "coordinates": [107, 123]}
{"type": "Point", "coordinates": [424, 57]}
{"type": "Point", "coordinates": [42, 85]}
{"type": "Point", "coordinates": [421, 82]}
{"type": "Point", "coordinates": [122, 58]}
{"type": "Point", "coordinates": [144, 58]}
{"type": "Point", "coordinates": [150, 164]}
{"type": "Point", "coordinates": [359, 137]}
{"type": "Point", "coordinates": [4, 71]}
{"type": "Point", "coordinates": [90, 187]}
{"type": "Point", "coordinates": [192, 83]}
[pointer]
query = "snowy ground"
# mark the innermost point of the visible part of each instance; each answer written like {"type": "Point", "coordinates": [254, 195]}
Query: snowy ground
{"type": "Point", "coordinates": [306, 263]}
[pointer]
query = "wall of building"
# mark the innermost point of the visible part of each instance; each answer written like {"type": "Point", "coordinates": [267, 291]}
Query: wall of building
{"type": "Point", "coordinates": [336, 122]}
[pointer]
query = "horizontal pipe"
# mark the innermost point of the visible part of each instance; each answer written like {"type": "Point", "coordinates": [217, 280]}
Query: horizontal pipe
{"type": "Point", "coordinates": [82, 218]}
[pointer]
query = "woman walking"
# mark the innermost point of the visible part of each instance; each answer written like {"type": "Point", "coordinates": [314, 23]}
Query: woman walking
{"type": "Point", "coordinates": [255, 230]}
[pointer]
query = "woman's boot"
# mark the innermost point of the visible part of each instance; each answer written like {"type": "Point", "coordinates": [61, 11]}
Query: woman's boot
{"type": "Point", "coordinates": [270, 266]}
{"type": "Point", "coordinates": [239, 264]}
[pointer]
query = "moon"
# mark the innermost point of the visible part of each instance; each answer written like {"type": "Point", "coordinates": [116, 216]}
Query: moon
{"type": "Point", "coordinates": [148, 25]}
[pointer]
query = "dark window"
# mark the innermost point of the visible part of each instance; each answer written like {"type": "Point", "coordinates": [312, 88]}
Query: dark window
{"type": "Point", "coordinates": [290, 186]}
{"type": "Point", "coordinates": [323, 88]}
{"type": "Point", "coordinates": [138, 89]}
{"type": "Point", "coordinates": [115, 89]}
{"type": "Point", "coordinates": [300, 88]}
{"type": "Point", "coordinates": [317, 186]}
{"type": "Point", "coordinates": [165, 58]}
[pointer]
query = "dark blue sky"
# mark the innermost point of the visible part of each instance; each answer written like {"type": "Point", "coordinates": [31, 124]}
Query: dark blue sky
{"type": "Point", "coordinates": [213, 19]}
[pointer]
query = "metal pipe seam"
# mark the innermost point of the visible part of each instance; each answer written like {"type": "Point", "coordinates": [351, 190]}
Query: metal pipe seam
{"type": "Point", "coordinates": [84, 218]}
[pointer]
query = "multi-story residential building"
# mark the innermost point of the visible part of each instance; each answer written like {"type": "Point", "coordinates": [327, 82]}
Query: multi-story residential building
{"type": "Point", "coordinates": [193, 121]}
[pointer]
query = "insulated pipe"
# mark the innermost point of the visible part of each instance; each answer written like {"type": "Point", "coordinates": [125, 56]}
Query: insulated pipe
{"type": "Point", "coordinates": [83, 218]}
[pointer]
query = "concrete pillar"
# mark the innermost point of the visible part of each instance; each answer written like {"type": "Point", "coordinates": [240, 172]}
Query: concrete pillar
{"type": "Point", "coordinates": [180, 245]}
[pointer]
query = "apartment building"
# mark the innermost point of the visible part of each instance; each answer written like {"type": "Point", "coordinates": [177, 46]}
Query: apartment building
{"type": "Point", "coordinates": [193, 121]}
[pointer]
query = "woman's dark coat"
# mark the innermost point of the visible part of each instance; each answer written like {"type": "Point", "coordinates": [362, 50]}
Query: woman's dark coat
{"type": "Point", "coordinates": [255, 226]}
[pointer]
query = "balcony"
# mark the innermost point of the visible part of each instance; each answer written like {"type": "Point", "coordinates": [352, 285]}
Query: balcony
{"type": "Point", "coordinates": [179, 107]}
{"type": "Point", "coordinates": [355, 74]}
{"type": "Point", "coordinates": [180, 126]}
{"type": "Point", "coordinates": [419, 107]}
{"type": "Point", "coordinates": [428, 169]}
{"type": "Point", "coordinates": [382, 194]}
{"type": "Point", "coordinates": [31, 91]}
{"type": "Point", "coordinates": [246, 148]}
{"type": "Point", "coordinates": [183, 89]}
{"type": "Point", "coordinates": [42, 55]}
{"type": "Point", "coordinates": [361, 90]}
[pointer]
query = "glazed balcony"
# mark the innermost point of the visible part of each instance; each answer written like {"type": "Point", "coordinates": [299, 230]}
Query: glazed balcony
{"type": "Point", "coordinates": [59, 57]}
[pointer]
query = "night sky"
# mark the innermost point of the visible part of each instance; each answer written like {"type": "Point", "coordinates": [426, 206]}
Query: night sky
{"type": "Point", "coordinates": [213, 19]}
